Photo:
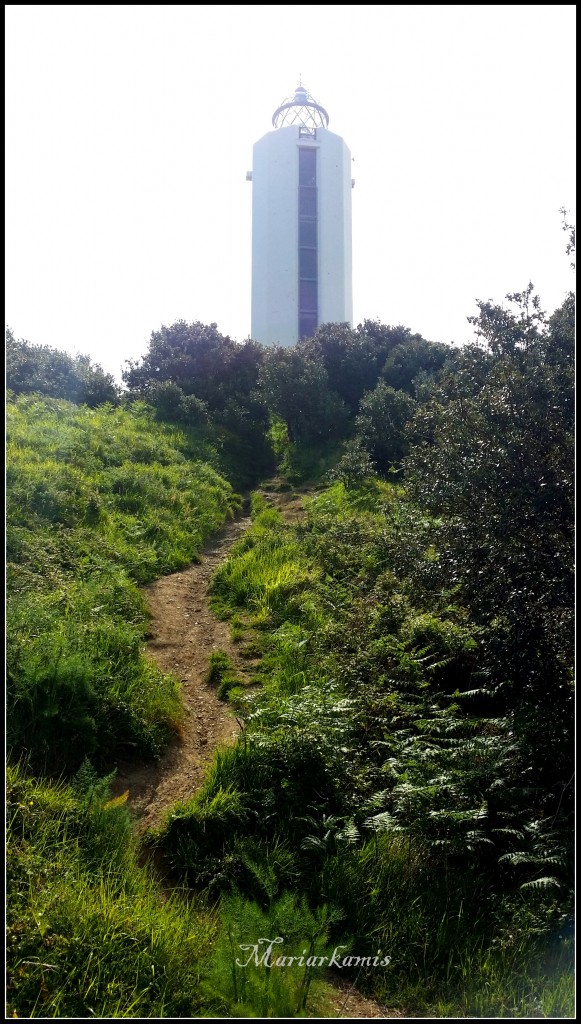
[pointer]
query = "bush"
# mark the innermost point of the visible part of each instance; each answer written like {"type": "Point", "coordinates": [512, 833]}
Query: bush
{"type": "Point", "coordinates": [47, 371]}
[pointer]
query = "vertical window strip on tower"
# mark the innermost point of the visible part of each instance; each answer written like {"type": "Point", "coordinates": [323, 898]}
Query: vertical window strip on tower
{"type": "Point", "coordinates": [308, 254]}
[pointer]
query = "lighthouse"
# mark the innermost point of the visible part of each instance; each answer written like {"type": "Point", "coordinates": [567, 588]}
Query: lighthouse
{"type": "Point", "coordinates": [301, 225]}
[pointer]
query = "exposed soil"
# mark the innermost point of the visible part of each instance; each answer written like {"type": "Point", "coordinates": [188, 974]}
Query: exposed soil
{"type": "Point", "coordinates": [349, 1004]}
{"type": "Point", "coordinates": [183, 634]}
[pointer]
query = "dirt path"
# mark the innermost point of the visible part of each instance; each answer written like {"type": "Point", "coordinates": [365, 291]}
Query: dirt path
{"type": "Point", "coordinates": [184, 632]}
{"type": "Point", "coordinates": [349, 1004]}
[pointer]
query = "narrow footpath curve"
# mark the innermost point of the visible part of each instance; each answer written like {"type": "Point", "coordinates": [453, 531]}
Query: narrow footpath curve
{"type": "Point", "coordinates": [184, 632]}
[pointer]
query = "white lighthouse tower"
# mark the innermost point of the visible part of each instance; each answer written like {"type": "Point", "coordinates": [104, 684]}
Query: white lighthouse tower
{"type": "Point", "coordinates": [301, 225]}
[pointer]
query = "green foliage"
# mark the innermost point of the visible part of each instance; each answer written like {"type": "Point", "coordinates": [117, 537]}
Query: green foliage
{"type": "Point", "coordinates": [296, 389]}
{"type": "Point", "coordinates": [382, 425]}
{"type": "Point", "coordinates": [223, 673]}
{"type": "Point", "coordinates": [351, 359]}
{"type": "Point", "coordinates": [570, 230]}
{"type": "Point", "coordinates": [98, 501]}
{"type": "Point", "coordinates": [315, 390]}
{"type": "Point", "coordinates": [417, 819]}
{"type": "Point", "coordinates": [355, 465]}
{"type": "Point", "coordinates": [194, 357]}
{"type": "Point", "coordinates": [494, 459]}
{"type": "Point", "coordinates": [300, 464]}
{"type": "Point", "coordinates": [355, 360]}
{"type": "Point", "coordinates": [267, 961]}
{"type": "Point", "coordinates": [413, 360]}
{"type": "Point", "coordinates": [196, 376]}
{"type": "Point", "coordinates": [450, 955]}
{"type": "Point", "coordinates": [172, 405]}
{"type": "Point", "coordinates": [267, 572]}
{"type": "Point", "coordinates": [47, 371]}
{"type": "Point", "coordinates": [256, 791]}
{"type": "Point", "coordinates": [88, 931]}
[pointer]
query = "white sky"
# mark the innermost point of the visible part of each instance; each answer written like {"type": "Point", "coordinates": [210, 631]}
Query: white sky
{"type": "Point", "coordinates": [129, 131]}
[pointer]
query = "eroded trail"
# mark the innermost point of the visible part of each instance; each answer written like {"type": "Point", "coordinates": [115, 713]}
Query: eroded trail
{"type": "Point", "coordinates": [184, 632]}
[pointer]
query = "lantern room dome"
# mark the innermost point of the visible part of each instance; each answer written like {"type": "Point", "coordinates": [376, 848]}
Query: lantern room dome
{"type": "Point", "coordinates": [300, 109]}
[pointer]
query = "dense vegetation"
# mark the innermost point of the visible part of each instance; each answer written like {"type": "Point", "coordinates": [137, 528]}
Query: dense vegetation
{"type": "Point", "coordinates": [100, 500]}
{"type": "Point", "coordinates": [193, 375]}
{"type": "Point", "coordinates": [403, 782]}
{"type": "Point", "coordinates": [377, 773]}
{"type": "Point", "coordinates": [39, 369]}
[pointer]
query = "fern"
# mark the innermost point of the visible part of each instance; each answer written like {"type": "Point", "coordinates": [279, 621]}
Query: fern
{"type": "Point", "coordinates": [89, 786]}
{"type": "Point", "coordinates": [542, 883]}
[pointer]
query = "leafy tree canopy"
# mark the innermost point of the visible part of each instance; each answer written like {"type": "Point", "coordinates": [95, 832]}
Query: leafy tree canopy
{"type": "Point", "coordinates": [413, 359]}
{"type": "Point", "coordinates": [200, 361]}
{"type": "Point", "coordinates": [46, 371]}
{"type": "Point", "coordinates": [296, 388]}
{"type": "Point", "coordinates": [355, 359]}
{"type": "Point", "coordinates": [192, 374]}
{"type": "Point", "coordinates": [382, 425]}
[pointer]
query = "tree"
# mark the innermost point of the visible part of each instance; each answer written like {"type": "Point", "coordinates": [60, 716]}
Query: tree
{"type": "Point", "coordinates": [354, 359]}
{"type": "Point", "coordinates": [296, 388]}
{"type": "Point", "coordinates": [194, 356]}
{"type": "Point", "coordinates": [570, 229]}
{"type": "Point", "coordinates": [494, 461]}
{"type": "Point", "coordinates": [351, 359]}
{"type": "Point", "coordinates": [382, 425]}
{"type": "Point", "coordinates": [191, 369]}
{"type": "Point", "coordinates": [172, 405]}
{"type": "Point", "coordinates": [47, 371]}
{"type": "Point", "coordinates": [412, 358]}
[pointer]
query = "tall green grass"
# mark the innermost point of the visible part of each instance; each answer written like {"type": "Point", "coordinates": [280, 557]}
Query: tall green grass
{"type": "Point", "coordinates": [91, 933]}
{"type": "Point", "coordinates": [267, 572]}
{"type": "Point", "coordinates": [99, 501]}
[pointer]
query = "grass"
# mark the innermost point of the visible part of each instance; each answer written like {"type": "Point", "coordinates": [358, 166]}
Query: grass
{"type": "Point", "coordinates": [223, 674]}
{"type": "Point", "coordinates": [99, 501]}
{"type": "Point", "coordinates": [88, 932]}
{"type": "Point", "coordinates": [333, 791]}
{"type": "Point", "coordinates": [91, 934]}
{"type": "Point", "coordinates": [267, 571]}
